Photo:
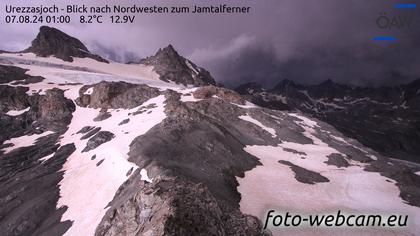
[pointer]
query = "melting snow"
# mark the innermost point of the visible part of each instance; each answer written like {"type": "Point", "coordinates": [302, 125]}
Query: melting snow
{"type": "Point", "coordinates": [191, 66]}
{"type": "Point", "coordinates": [247, 105]}
{"type": "Point", "coordinates": [404, 105]}
{"type": "Point", "coordinates": [256, 122]}
{"type": "Point", "coordinates": [273, 185]}
{"type": "Point", "coordinates": [112, 68]}
{"type": "Point", "coordinates": [89, 91]}
{"type": "Point", "coordinates": [144, 176]}
{"type": "Point", "coordinates": [16, 113]}
{"type": "Point", "coordinates": [24, 141]}
{"type": "Point", "coordinates": [187, 95]}
{"type": "Point", "coordinates": [47, 157]}
{"type": "Point", "coordinates": [86, 188]}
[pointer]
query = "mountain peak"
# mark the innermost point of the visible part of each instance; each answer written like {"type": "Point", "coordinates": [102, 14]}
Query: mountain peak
{"type": "Point", "coordinates": [285, 83]}
{"type": "Point", "coordinates": [327, 82]}
{"type": "Point", "coordinates": [249, 88]}
{"type": "Point", "coordinates": [173, 67]}
{"type": "Point", "coordinates": [53, 42]}
{"type": "Point", "coordinates": [169, 48]}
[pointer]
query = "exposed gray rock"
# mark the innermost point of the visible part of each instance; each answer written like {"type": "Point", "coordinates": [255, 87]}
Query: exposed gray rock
{"type": "Point", "coordinates": [143, 109]}
{"type": "Point", "coordinates": [28, 203]}
{"type": "Point", "coordinates": [97, 140]}
{"type": "Point", "coordinates": [13, 98]}
{"type": "Point", "coordinates": [338, 160]}
{"type": "Point", "coordinates": [114, 95]}
{"type": "Point", "coordinates": [294, 151]}
{"type": "Point", "coordinates": [103, 115]}
{"type": "Point", "coordinates": [54, 106]}
{"type": "Point", "coordinates": [129, 172]}
{"type": "Point", "coordinates": [173, 206]}
{"type": "Point", "coordinates": [225, 94]}
{"type": "Point", "coordinates": [85, 129]}
{"type": "Point", "coordinates": [303, 175]}
{"type": "Point", "coordinates": [47, 112]}
{"type": "Point", "coordinates": [125, 121]}
{"type": "Point", "coordinates": [100, 162]}
{"type": "Point", "coordinates": [385, 119]}
{"type": "Point", "coordinates": [52, 42]}
{"type": "Point", "coordinates": [173, 67]}
{"type": "Point", "coordinates": [90, 133]}
{"type": "Point", "coordinates": [17, 75]}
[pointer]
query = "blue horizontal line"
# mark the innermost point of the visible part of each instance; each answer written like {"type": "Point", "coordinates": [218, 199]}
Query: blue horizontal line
{"type": "Point", "coordinates": [405, 5]}
{"type": "Point", "coordinates": [384, 38]}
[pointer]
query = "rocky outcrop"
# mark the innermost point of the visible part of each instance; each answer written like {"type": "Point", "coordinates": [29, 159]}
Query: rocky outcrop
{"type": "Point", "coordinates": [338, 160]}
{"type": "Point", "coordinates": [304, 175]}
{"type": "Point", "coordinates": [13, 98]}
{"type": "Point", "coordinates": [172, 67]}
{"type": "Point", "coordinates": [28, 203]}
{"type": "Point", "coordinates": [53, 106]}
{"type": "Point", "coordinates": [174, 206]}
{"type": "Point", "coordinates": [17, 76]}
{"type": "Point", "coordinates": [107, 95]}
{"type": "Point", "coordinates": [98, 139]}
{"type": "Point", "coordinates": [52, 42]}
{"type": "Point", "coordinates": [219, 92]}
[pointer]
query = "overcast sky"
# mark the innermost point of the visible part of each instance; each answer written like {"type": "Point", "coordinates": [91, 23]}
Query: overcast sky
{"type": "Point", "coordinates": [306, 41]}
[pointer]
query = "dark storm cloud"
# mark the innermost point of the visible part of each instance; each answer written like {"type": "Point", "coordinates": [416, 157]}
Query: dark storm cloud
{"type": "Point", "coordinates": [306, 41]}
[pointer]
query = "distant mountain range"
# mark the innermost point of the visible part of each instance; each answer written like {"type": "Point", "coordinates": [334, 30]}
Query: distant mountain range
{"type": "Point", "coordinates": [386, 119]}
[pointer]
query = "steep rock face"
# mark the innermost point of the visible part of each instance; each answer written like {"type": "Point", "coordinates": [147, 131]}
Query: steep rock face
{"type": "Point", "coordinates": [13, 98]}
{"type": "Point", "coordinates": [174, 206]}
{"type": "Point", "coordinates": [54, 106]}
{"type": "Point", "coordinates": [385, 118]}
{"type": "Point", "coordinates": [52, 42]}
{"type": "Point", "coordinates": [28, 203]}
{"type": "Point", "coordinates": [173, 67]}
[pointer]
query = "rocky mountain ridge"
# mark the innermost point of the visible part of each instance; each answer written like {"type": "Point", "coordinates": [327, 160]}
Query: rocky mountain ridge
{"type": "Point", "coordinates": [53, 42]}
{"type": "Point", "coordinates": [385, 118]}
{"type": "Point", "coordinates": [173, 67]}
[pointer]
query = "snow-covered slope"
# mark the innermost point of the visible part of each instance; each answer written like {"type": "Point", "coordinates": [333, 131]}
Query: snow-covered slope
{"type": "Point", "coordinates": [351, 189]}
{"type": "Point", "coordinates": [385, 119]}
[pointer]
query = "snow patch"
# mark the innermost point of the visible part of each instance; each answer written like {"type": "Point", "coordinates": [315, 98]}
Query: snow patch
{"type": "Point", "coordinates": [256, 122]}
{"type": "Point", "coordinates": [44, 159]}
{"type": "Point", "coordinates": [191, 67]}
{"type": "Point", "coordinates": [17, 113]}
{"type": "Point", "coordinates": [248, 105]}
{"type": "Point", "coordinates": [351, 189]}
{"type": "Point", "coordinates": [24, 141]}
{"type": "Point", "coordinates": [144, 176]}
{"type": "Point", "coordinates": [86, 204]}
{"type": "Point", "coordinates": [404, 105]}
{"type": "Point", "coordinates": [89, 91]}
